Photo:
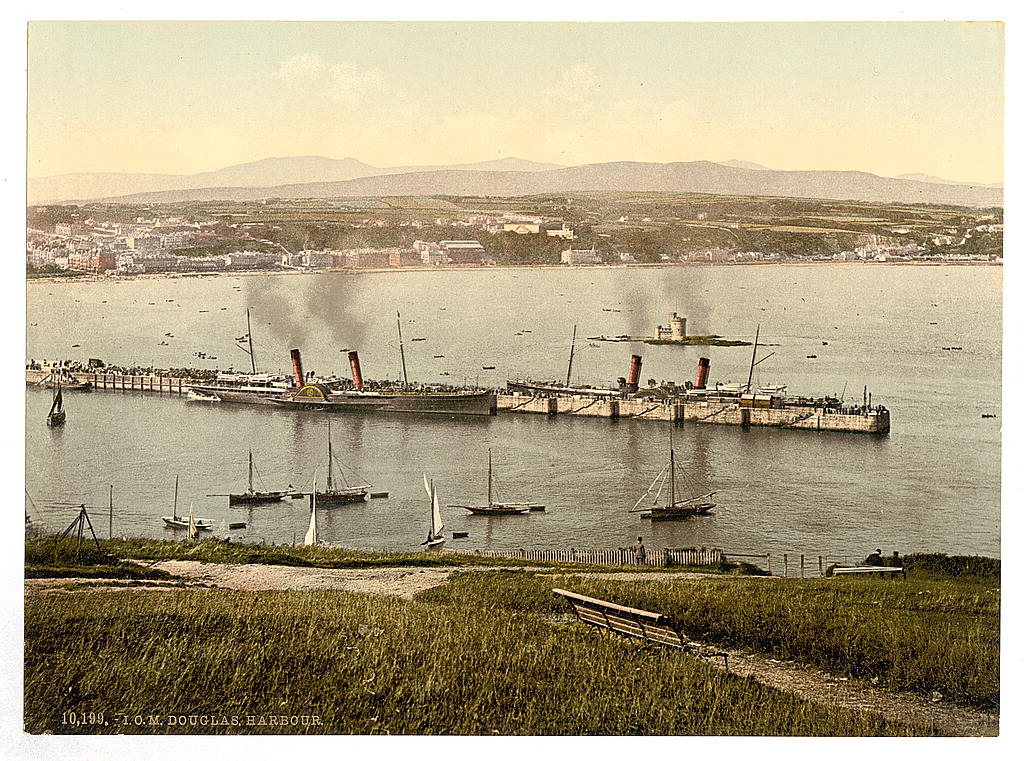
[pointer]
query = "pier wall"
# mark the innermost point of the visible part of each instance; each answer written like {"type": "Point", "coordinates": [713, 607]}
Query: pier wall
{"type": "Point", "coordinates": [546, 405]}
{"type": "Point", "coordinates": [695, 412]}
{"type": "Point", "coordinates": [645, 409]}
{"type": "Point", "coordinates": [813, 420]}
{"type": "Point", "coordinates": [587, 406]}
{"type": "Point", "coordinates": [583, 406]}
{"type": "Point", "coordinates": [116, 382]}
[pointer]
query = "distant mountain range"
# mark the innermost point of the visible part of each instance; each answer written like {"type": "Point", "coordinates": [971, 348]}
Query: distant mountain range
{"type": "Point", "coordinates": [319, 177]}
{"type": "Point", "coordinates": [942, 181]}
{"type": "Point", "coordinates": [267, 172]}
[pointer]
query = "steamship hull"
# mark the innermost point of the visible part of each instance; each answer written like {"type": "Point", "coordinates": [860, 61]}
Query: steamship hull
{"type": "Point", "coordinates": [238, 396]}
{"type": "Point", "coordinates": [465, 403]}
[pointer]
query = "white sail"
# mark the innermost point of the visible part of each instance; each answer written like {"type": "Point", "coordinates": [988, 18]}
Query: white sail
{"type": "Point", "coordinates": [192, 530]}
{"type": "Point", "coordinates": [426, 485]}
{"type": "Point", "coordinates": [311, 531]}
{"type": "Point", "coordinates": [436, 524]}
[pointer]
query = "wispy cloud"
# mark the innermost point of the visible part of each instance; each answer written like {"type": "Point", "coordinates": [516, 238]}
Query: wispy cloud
{"type": "Point", "coordinates": [575, 84]}
{"type": "Point", "coordinates": [299, 69]}
{"type": "Point", "coordinates": [348, 82]}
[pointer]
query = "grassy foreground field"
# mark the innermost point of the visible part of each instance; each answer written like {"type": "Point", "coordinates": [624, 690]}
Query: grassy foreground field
{"type": "Point", "coordinates": [212, 661]}
{"type": "Point", "coordinates": [915, 635]}
{"type": "Point", "coordinates": [491, 651]}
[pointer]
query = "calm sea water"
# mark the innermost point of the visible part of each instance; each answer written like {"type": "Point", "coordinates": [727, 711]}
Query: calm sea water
{"type": "Point", "coordinates": [933, 484]}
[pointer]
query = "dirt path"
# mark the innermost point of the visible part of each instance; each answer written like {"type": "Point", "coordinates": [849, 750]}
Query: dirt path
{"type": "Point", "coordinates": [401, 582]}
{"type": "Point", "coordinates": [837, 692]}
{"type": "Point", "coordinates": [806, 682]}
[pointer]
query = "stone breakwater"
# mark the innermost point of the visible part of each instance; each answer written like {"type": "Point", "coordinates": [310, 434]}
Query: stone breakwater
{"type": "Point", "coordinates": [798, 417]}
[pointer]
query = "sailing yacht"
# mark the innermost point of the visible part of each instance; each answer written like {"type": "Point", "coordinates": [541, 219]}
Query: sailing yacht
{"type": "Point", "coordinates": [335, 494]}
{"type": "Point", "coordinates": [191, 523]}
{"type": "Point", "coordinates": [499, 508]}
{"type": "Point", "coordinates": [253, 496]}
{"type": "Point", "coordinates": [57, 416]}
{"type": "Point", "coordinates": [311, 537]}
{"type": "Point", "coordinates": [675, 508]}
{"type": "Point", "coordinates": [435, 536]}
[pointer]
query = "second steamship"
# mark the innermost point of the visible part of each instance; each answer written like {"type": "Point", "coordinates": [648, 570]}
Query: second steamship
{"type": "Point", "coordinates": [334, 395]}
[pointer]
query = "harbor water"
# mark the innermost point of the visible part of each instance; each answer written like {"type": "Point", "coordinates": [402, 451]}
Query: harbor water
{"type": "Point", "coordinates": [926, 341]}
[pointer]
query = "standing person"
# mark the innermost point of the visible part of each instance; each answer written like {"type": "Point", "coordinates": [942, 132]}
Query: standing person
{"type": "Point", "coordinates": [641, 551]}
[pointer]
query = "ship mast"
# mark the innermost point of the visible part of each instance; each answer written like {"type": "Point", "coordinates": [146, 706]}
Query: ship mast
{"type": "Point", "coordinates": [330, 457]}
{"type": "Point", "coordinates": [252, 352]}
{"type": "Point", "coordinates": [671, 476]}
{"type": "Point", "coordinates": [572, 350]}
{"type": "Point", "coordinates": [490, 500]}
{"type": "Point", "coordinates": [753, 356]}
{"type": "Point", "coordinates": [401, 349]}
{"type": "Point", "coordinates": [250, 470]}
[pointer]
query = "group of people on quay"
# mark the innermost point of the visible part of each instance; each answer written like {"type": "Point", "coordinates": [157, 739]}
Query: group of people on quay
{"type": "Point", "coordinates": [98, 366]}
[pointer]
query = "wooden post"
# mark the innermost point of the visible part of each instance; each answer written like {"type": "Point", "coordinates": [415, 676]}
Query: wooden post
{"type": "Point", "coordinates": [821, 566]}
{"type": "Point", "coordinates": [801, 565]}
{"type": "Point", "coordinates": [785, 564]}
{"type": "Point", "coordinates": [110, 525]}
{"type": "Point", "coordinates": [769, 563]}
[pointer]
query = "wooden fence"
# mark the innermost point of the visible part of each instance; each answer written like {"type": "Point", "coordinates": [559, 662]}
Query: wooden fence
{"type": "Point", "coordinates": [794, 565]}
{"type": "Point", "coordinates": [623, 556]}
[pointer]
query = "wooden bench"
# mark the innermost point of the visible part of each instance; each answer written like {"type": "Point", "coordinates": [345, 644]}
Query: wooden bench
{"type": "Point", "coordinates": [636, 623]}
{"type": "Point", "coordinates": [879, 569]}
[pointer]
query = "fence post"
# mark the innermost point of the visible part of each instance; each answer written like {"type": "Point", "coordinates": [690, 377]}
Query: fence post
{"type": "Point", "coordinates": [801, 565]}
{"type": "Point", "coordinates": [769, 564]}
{"type": "Point", "coordinates": [785, 564]}
{"type": "Point", "coordinates": [821, 566]}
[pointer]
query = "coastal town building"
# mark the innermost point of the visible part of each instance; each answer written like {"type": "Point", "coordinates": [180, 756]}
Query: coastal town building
{"type": "Point", "coordinates": [564, 232]}
{"type": "Point", "coordinates": [577, 256]}
{"type": "Point", "coordinates": [430, 253]}
{"type": "Point", "coordinates": [462, 251]}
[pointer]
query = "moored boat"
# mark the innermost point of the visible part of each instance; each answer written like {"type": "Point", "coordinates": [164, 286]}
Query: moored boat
{"type": "Point", "coordinates": [311, 537]}
{"type": "Point", "coordinates": [57, 415]}
{"type": "Point", "coordinates": [254, 496]}
{"type": "Point", "coordinates": [336, 494]}
{"type": "Point", "coordinates": [190, 522]}
{"type": "Point", "coordinates": [200, 396]}
{"type": "Point", "coordinates": [499, 508]}
{"type": "Point", "coordinates": [674, 509]}
{"type": "Point", "coordinates": [435, 535]}
{"type": "Point", "coordinates": [64, 379]}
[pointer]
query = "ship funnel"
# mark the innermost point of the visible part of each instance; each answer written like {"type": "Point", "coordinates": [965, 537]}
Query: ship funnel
{"type": "Point", "coordinates": [357, 375]}
{"type": "Point", "coordinates": [633, 380]}
{"type": "Point", "coordinates": [703, 365]}
{"type": "Point", "coordinates": [300, 379]}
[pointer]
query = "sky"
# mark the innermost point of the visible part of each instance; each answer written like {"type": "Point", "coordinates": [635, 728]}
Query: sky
{"type": "Point", "coordinates": [186, 97]}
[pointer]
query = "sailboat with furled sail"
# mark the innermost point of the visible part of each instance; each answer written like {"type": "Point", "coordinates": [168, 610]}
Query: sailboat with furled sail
{"type": "Point", "coordinates": [674, 509]}
{"type": "Point", "coordinates": [435, 536]}
{"type": "Point", "coordinates": [56, 416]}
{"type": "Point", "coordinates": [499, 508]}
{"type": "Point", "coordinates": [253, 496]}
{"type": "Point", "coordinates": [336, 494]}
